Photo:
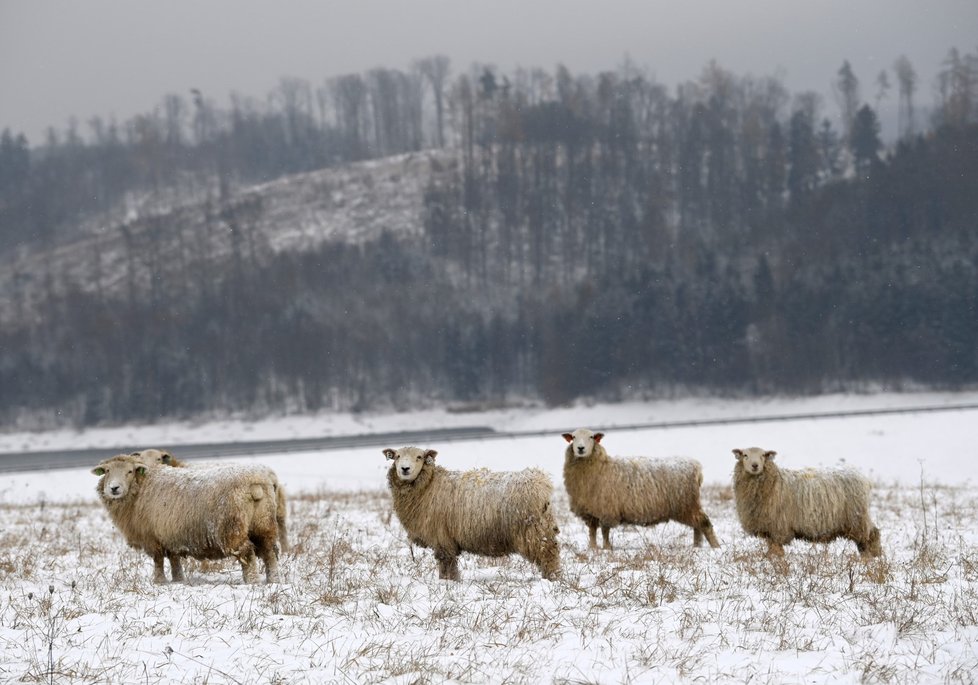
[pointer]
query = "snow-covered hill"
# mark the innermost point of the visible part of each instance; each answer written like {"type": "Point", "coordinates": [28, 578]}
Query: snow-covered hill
{"type": "Point", "coordinates": [349, 203]}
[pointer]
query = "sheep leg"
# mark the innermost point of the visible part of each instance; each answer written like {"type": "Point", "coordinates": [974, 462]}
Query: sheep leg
{"type": "Point", "coordinates": [704, 527]}
{"type": "Point", "coordinates": [447, 564]}
{"type": "Point", "coordinates": [176, 567]}
{"type": "Point", "coordinates": [249, 564]}
{"type": "Point", "coordinates": [592, 533]}
{"type": "Point", "coordinates": [606, 536]}
{"type": "Point", "coordinates": [269, 556]}
{"type": "Point", "coordinates": [775, 549]}
{"type": "Point", "coordinates": [159, 575]}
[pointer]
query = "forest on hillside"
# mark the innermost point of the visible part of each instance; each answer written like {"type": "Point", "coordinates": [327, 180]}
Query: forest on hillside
{"type": "Point", "coordinates": [582, 236]}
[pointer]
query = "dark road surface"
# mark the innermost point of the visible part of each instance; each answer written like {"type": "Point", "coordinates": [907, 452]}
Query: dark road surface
{"type": "Point", "coordinates": [79, 458]}
{"type": "Point", "coordinates": [60, 459]}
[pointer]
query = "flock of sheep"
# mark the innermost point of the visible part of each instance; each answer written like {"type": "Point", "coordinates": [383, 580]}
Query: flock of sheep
{"type": "Point", "coordinates": [170, 509]}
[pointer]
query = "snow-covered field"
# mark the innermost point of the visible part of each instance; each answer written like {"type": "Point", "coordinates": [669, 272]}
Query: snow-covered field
{"type": "Point", "coordinates": [357, 604]}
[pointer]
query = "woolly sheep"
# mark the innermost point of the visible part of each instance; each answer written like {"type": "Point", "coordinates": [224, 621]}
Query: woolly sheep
{"type": "Point", "coordinates": [481, 512]}
{"type": "Point", "coordinates": [205, 514]}
{"type": "Point", "coordinates": [781, 505]}
{"type": "Point", "coordinates": [154, 456]}
{"type": "Point", "coordinates": [609, 492]}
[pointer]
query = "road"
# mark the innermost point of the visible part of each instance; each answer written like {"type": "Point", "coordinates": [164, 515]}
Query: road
{"type": "Point", "coordinates": [79, 458]}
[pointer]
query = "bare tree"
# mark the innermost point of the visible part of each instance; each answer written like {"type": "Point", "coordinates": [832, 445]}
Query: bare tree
{"type": "Point", "coordinates": [295, 98]}
{"type": "Point", "coordinates": [435, 70]}
{"type": "Point", "coordinates": [907, 84]}
{"type": "Point", "coordinates": [882, 87]}
{"type": "Point", "coordinates": [205, 123]}
{"type": "Point", "coordinates": [386, 110]}
{"type": "Point", "coordinates": [957, 85]}
{"type": "Point", "coordinates": [322, 103]}
{"type": "Point", "coordinates": [846, 90]}
{"type": "Point", "coordinates": [174, 114]}
{"type": "Point", "coordinates": [350, 98]}
{"type": "Point", "coordinates": [412, 93]}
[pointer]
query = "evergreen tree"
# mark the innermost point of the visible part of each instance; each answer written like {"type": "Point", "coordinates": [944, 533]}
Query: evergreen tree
{"type": "Point", "coordinates": [803, 156]}
{"type": "Point", "coordinates": [865, 139]}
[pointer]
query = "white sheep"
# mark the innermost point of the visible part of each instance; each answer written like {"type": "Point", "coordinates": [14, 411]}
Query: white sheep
{"type": "Point", "coordinates": [481, 512]}
{"type": "Point", "coordinates": [153, 456]}
{"type": "Point", "coordinates": [157, 456]}
{"type": "Point", "coordinates": [781, 505]}
{"type": "Point", "coordinates": [174, 512]}
{"type": "Point", "coordinates": [609, 492]}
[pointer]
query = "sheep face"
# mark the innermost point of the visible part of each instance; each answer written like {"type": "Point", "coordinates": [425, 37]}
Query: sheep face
{"type": "Point", "coordinates": [753, 459]}
{"type": "Point", "coordinates": [582, 442]}
{"type": "Point", "coordinates": [154, 456]}
{"type": "Point", "coordinates": [117, 476]}
{"type": "Point", "coordinates": [409, 461]}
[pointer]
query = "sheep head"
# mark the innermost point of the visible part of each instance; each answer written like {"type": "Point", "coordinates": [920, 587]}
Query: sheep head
{"type": "Point", "coordinates": [409, 461]}
{"type": "Point", "coordinates": [582, 442]}
{"type": "Point", "coordinates": [753, 459]}
{"type": "Point", "coordinates": [154, 456]}
{"type": "Point", "coordinates": [116, 475]}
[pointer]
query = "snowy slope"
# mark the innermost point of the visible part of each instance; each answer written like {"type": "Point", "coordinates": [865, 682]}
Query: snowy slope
{"type": "Point", "coordinates": [350, 203]}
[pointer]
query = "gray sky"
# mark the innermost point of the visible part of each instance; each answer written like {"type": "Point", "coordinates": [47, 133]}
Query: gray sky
{"type": "Point", "coordinates": [119, 57]}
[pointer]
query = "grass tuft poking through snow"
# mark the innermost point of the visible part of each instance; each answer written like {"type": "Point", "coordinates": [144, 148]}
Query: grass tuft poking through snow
{"type": "Point", "coordinates": [358, 604]}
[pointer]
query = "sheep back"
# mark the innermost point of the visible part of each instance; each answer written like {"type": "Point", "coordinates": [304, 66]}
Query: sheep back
{"type": "Point", "coordinates": [204, 514]}
{"type": "Point", "coordinates": [155, 457]}
{"type": "Point", "coordinates": [480, 511]}
{"type": "Point", "coordinates": [636, 491]}
{"type": "Point", "coordinates": [813, 505]}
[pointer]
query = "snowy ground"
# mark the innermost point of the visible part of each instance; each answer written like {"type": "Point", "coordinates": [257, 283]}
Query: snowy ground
{"type": "Point", "coordinates": [357, 604]}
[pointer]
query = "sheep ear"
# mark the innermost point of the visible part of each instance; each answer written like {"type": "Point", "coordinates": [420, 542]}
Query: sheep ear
{"type": "Point", "coordinates": [598, 436]}
{"type": "Point", "coordinates": [134, 454]}
{"type": "Point", "coordinates": [140, 470]}
{"type": "Point", "coordinates": [769, 454]}
{"type": "Point", "coordinates": [739, 454]}
{"type": "Point", "coordinates": [166, 458]}
{"type": "Point", "coordinates": [390, 454]}
{"type": "Point", "coordinates": [98, 471]}
{"type": "Point", "coordinates": [429, 456]}
{"type": "Point", "coordinates": [568, 437]}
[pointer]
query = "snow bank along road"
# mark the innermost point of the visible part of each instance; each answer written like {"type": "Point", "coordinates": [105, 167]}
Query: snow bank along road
{"type": "Point", "coordinates": [74, 458]}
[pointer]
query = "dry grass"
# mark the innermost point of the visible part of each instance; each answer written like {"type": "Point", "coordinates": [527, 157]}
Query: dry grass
{"type": "Point", "coordinates": [357, 604]}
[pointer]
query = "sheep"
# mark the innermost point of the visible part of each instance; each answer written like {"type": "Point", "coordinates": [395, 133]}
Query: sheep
{"type": "Point", "coordinates": [205, 514]}
{"type": "Point", "coordinates": [480, 511]}
{"type": "Point", "coordinates": [609, 492]}
{"type": "Point", "coordinates": [781, 505]}
{"type": "Point", "coordinates": [156, 456]}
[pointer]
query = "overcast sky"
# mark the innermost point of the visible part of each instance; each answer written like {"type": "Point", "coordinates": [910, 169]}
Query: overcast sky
{"type": "Point", "coordinates": [119, 57]}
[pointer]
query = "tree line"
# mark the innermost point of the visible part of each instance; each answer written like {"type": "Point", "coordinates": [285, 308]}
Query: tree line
{"type": "Point", "coordinates": [590, 236]}
{"type": "Point", "coordinates": [190, 146]}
